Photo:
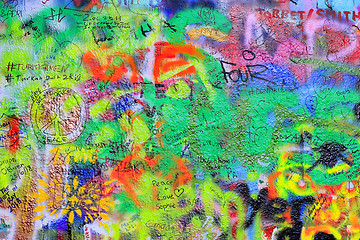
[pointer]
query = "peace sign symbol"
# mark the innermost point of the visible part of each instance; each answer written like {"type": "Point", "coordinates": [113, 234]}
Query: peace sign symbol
{"type": "Point", "coordinates": [59, 116]}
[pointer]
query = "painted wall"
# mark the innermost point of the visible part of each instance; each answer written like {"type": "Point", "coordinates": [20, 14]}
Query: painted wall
{"type": "Point", "coordinates": [179, 119]}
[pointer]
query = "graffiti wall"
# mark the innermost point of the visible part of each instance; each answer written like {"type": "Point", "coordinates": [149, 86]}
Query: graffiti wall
{"type": "Point", "coordinates": [180, 119]}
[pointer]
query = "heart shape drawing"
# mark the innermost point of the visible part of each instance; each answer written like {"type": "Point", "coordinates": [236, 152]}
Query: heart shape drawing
{"type": "Point", "coordinates": [323, 86]}
{"type": "Point", "coordinates": [178, 192]}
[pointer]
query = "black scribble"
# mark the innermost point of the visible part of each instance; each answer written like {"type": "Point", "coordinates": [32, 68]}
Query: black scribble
{"type": "Point", "coordinates": [330, 153]}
